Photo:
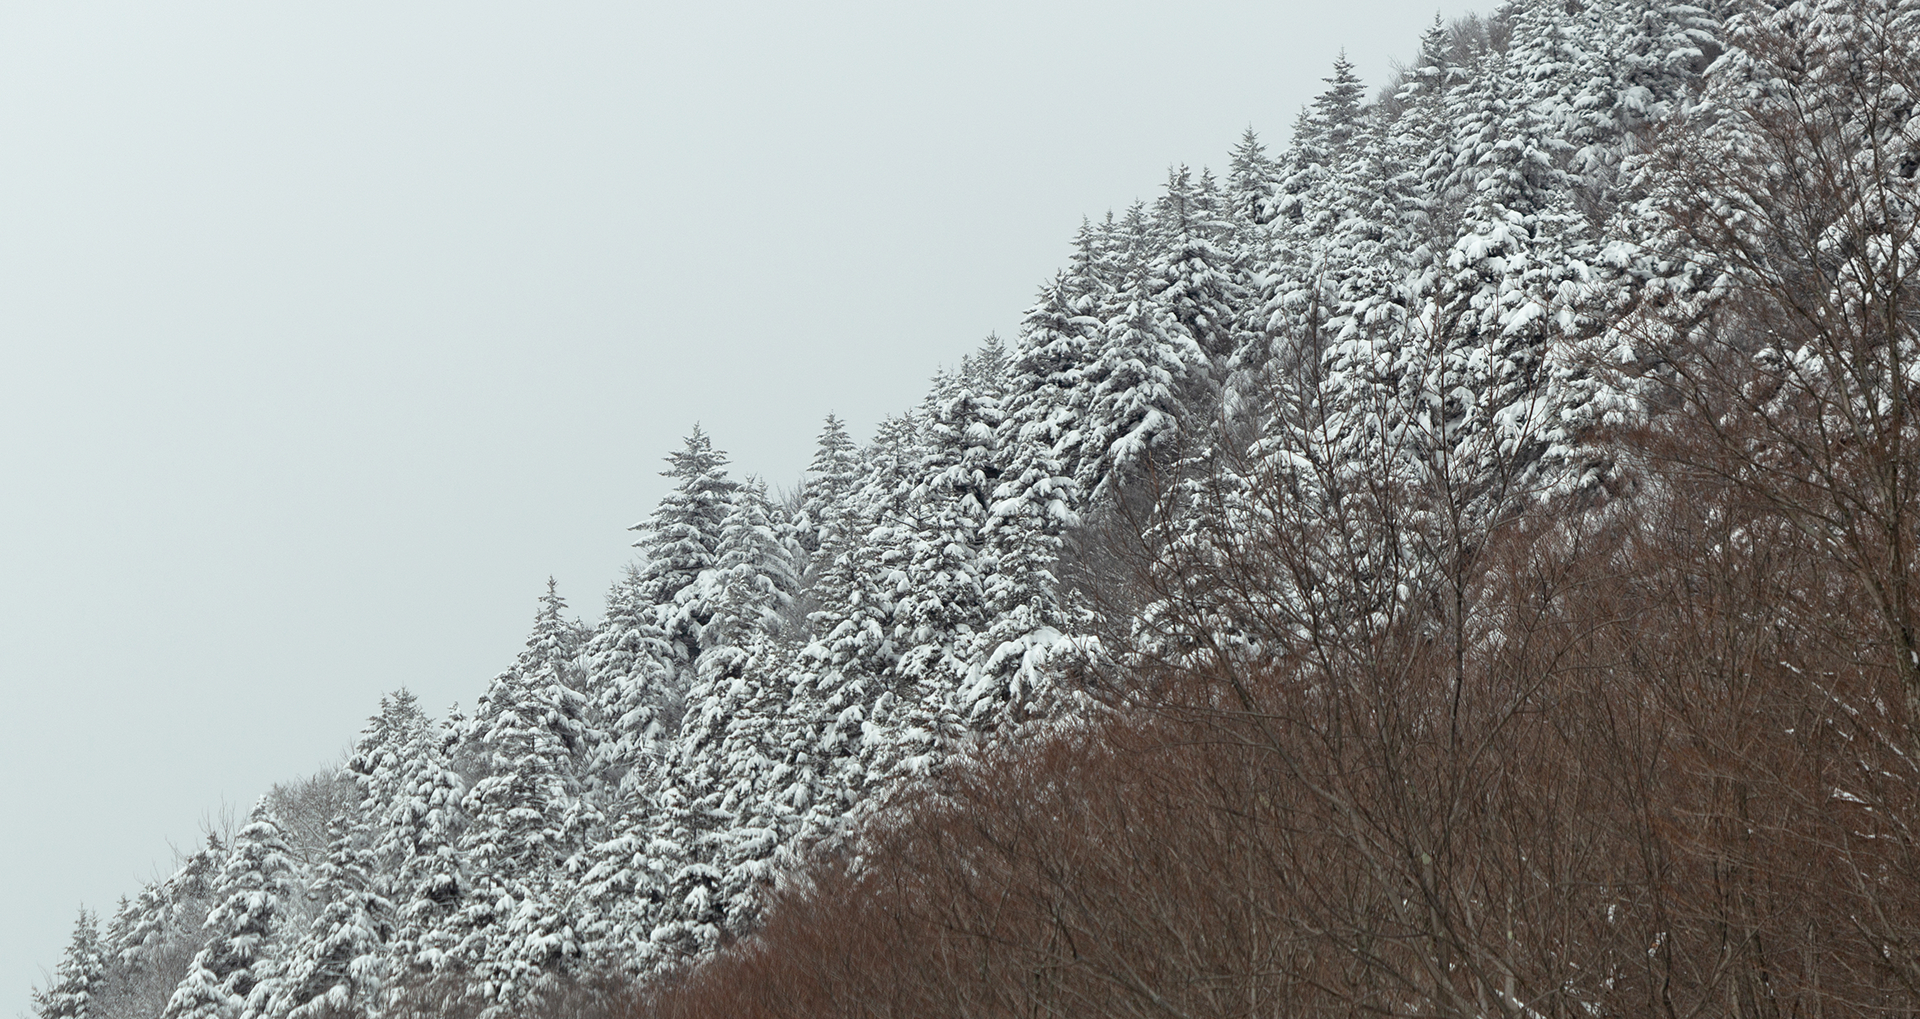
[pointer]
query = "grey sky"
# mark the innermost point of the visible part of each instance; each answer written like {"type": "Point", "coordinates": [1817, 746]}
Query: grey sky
{"type": "Point", "coordinates": [329, 330]}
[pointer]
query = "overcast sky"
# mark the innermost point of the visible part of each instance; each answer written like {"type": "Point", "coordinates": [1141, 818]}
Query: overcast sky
{"type": "Point", "coordinates": [329, 330]}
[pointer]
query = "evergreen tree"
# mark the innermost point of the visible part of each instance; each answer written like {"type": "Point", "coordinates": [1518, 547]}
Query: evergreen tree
{"type": "Point", "coordinates": [630, 684]}
{"type": "Point", "coordinates": [849, 664]}
{"type": "Point", "coordinates": [735, 758]}
{"type": "Point", "coordinates": [538, 706]}
{"type": "Point", "coordinates": [417, 841]}
{"type": "Point", "coordinates": [1309, 200]}
{"type": "Point", "coordinates": [1325, 220]}
{"type": "Point", "coordinates": [988, 370]}
{"type": "Point", "coordinates": [681, 541]}
{"type": "Point", "coordinates": [1642, 60]}
{"type": "Point", "coordinates": [377, 762]}
{"type": "Point", "coordinates": [940, 610]}
{"type": "Point", "coordinates": [164, 911]}
{"type": "Point", "coordinates": [512, 935]}
{"type": "Point", "coordinates": [1030, 510]}
{"type": "Point", "coordinates": [1419, 156]}
{"type": "Point", "coordinates": [826, 494]}
{"type": "Point", "coordinates": [1250, 181]}
{"type": "Point", "coordinates": [243, 929]}
{"type": "Point", "coordinates": [1115, 257]}
{"type": "Point", "coordinates": [941, 603]}
{"type": "Point", "coordinates": [341, 965]}
{"type": "Point", "coordinates": [857, 587]}
{"type": "Point", "coordinates": [691, 916]}
{"type": "Point", "coordinates": [1195, 277]}
{"type": "Point", "coordinates": [756, 574]}
{"type": "Point", "coordinates": [549, 670]}
{"type": "Point", "coordinates": [1049, 397]}
{"type": "Point", "coordinates": [1145, 363]}
{"type": "Point", "coordinates": [79, 980]}
{"type": "Point", "coordinates": [618, 893]}
{"type": "Point", "coordinates": [513, 810]}
{"type": "Point", "coordinates": [399, 720]}
{"type": "Point", "coordinates": [1514, 273]}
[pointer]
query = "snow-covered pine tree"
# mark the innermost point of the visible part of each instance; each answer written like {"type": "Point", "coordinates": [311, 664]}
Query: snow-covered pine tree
{"type": "Point", "coordinates": [1030, 510]}
{"type": "Point", "coordinates": [1641, 61]}
{"type": "Point", "coordinates": [1419, 156]}
{"type": "Point", "coordinates": [1196, 276]}
{"type": "Point", "coordinates": [763, 788]}
{"type": "Point", "coordinates": [1513, 276]}
{"type": "Point", "coordinates": [940, 611]}
{"type": "Point", "coordinates": [1322, 139]}
{"type": "Point", "coordinates": [836, 677]}
{"type": "Point", "coordinates": [155, 934]}
{"type": "Point", "coordinates": [941, 606]}
{"type": "Point", "coordinates": [399, 720]}
{"type": "Point", "coordinates": [512, 935]}
{"type": "Point", "coordinates": [717, 816]}
{"type": "Point", "coordinates": [988, 370]}
{"type": "Point", "coordinates": [1321, 211]}
{"type": "Point", "coordinates": [617, 891]}
{"type": "Point", "coordinates": [243, 930]}
{"type": "Point", "coordinates": [532, 742]}
{"type": "Point", "coordinates": [827, 492]}
{"type": "Point", "coordinates": [341, 965]}
{"type": "Point", "coordinates": [117, 991]}
{"type": "Point", "coordinates": [756, 573]}
{"type": "Point", "coordinates": [1314, 191]}
{"type": "Point", "coordinates": [416, 841]}
{"type": "Point", "coordinates": [1119, 251]}
{"type": "Point", "coordinates": [1146, 363]}
{"type": "Point", "coordinates": [377, 762]}
{"type": "Point", "coordinates": [857, 586]}
{"type": "Point", "coordinates": [1251, 186]}
{"type": "Point", "coordinates": [548, 671]}
{"type": "Point", "coordinates": [727, 744]}
{"type": "Point", "coordinates": [75, 991]}
{"type": "Point", "coordinates": [734, 759]}
{"type": "Point", "coordinates": [680, 541]}
{"type": "Point", "coordinates": [1251, 205]}
{"type": "Point", "coordinates": [1048, 397]}
{"type": "Point", "coordinates": [691, 915]}
{"type": "Point", "coordinates": [635, 706]}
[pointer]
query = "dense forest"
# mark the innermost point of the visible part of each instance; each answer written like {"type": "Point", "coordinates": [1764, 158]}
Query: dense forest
{"type": "Point", "coordinates": [1462, 563]}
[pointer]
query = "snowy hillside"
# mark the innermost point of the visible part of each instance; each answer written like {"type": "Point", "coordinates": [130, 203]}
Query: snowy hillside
{"type": "Point", "coordinates": [1357, 427]}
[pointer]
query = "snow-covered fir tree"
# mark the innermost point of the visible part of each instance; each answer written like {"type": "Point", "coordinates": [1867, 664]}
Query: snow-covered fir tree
{"type": "Point", "coordinates": [75, 991]}
{"type": "Point", "coordinates": [233, 973]}
{"type": "Point", "coordinates": [153, 935]}
{"type": "Point", "coordinates": [512, 936]}
{"type": "Point", "coordinates": [342, 964]}
{"type": "Point", "coordinates": [410, 801]}
{"type": "Point", "coordinates": [635, 704]}
{"type": "Point", "coordinates": [546, 684]}
{"type": "Point", "coordinates": [830, 481]}
{"type": "Point", "coordinates": [680, 541]}
{"type": "Point", "coordinates": [750, 589]}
